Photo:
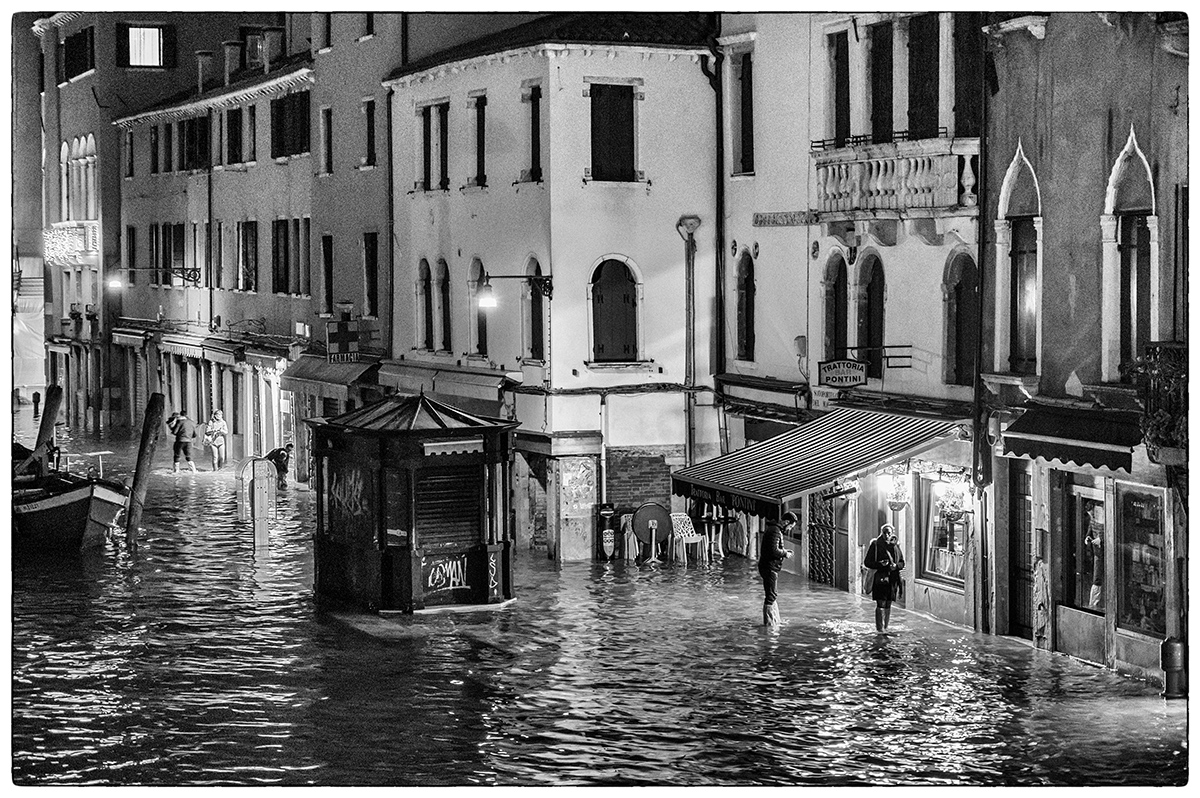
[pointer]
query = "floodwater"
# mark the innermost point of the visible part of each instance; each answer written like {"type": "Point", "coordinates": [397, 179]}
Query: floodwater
{"type": "Point", "coordinates": [198, 660]}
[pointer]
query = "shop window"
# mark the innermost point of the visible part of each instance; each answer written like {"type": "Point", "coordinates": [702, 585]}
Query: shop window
{"type": "Point", "coordinates": [1141, 563]}
{"type": "Point", "coordinates": [1085, 551]}
{"type": "Point", "coordinates": [881, 82]}
{"type": "Point", "coordinates": [942, 525]}
{"type": "Point", "coordinates": [923, 57]}
{"type": "Point", "coordinates": [1023, 297]}
{"type": "Point", "coordinates": [745, 308]}
{"type": "Point", "coordinates": [612, 132]}
{"type": "Point", "coordinates": [614, 313]}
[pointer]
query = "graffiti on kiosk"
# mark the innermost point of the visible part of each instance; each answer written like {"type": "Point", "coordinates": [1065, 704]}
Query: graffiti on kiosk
{"type": "Point", "coordinates": [348, 492]}
{"type": "Point", "coordinates": [449, 573]}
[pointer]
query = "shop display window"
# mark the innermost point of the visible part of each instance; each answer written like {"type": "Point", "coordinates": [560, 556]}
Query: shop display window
{"type": "Point", "coordinates": [1141, 562]}
{"type": "Point", "coordinates": [943, 520]}
{"type": "Point", "coordinates": [1086, 553]}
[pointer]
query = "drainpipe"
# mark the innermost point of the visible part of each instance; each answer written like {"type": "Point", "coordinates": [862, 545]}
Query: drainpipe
{"type": "Point", "coordinates": [687, 226]}
{"type": "Point", "coordinates": [714, 79]}
{"type": "Point", "coordinates": [391, 225]}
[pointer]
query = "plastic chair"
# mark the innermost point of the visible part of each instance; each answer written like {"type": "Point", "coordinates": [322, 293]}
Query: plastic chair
{"type": "Point", "coordinates": [684, 534]}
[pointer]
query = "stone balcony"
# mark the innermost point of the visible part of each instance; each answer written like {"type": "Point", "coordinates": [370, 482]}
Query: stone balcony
{"type": "Point", "coordinates": [923, 178]}
{"type": "Point", "coordinates": [71, 243]}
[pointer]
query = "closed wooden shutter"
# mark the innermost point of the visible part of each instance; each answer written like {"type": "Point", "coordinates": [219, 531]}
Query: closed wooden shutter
{"type": "Point", "coordinates": [840, 48]}
{"type": "Point", "coordinates": [448, 507]}
{"type": "Point", "coordinates": [123, 44]}
{"type": "Point", "coordinates": [923, 76]}
{"type": "Point", "coordinates": [747, 113]}
{"type": "Point", "coordinates": [169, 46]}
{"type": "Point", "coordinates": [881, 82]}
{"type": "Point", "coordinates": [614, 309]}
{"type": "Point", "coordinates": [612, 132]}
{"type": "Point", "coordinates": [968, 73]}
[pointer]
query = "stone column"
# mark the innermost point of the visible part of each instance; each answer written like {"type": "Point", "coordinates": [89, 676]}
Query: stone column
{"type": "Point", "coordinates": [900, 74]}
{"type": "Point", "coordinates": [1110, 300]}
{"type": "Point", "coordinates": [1003, 315]}
{"type": "Point", "coordinates": [860, 111]}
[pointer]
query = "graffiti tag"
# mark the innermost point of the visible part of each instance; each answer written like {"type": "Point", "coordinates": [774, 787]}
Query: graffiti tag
{"type": "Point", "coordinates": [348, 492]}
{"type": "Point", "coordinates": [447, 574]}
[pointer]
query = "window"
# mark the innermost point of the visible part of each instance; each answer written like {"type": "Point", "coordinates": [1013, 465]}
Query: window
{"type": "Point", "coordinates": [248, 256]}
{"type": "Point", "coordinates": [870, 318]}
{"type": "Point", "coordinates": [168, 147]}
{"type": "Point", "coordinates": [371, 273]}
{"type": "Point", "coordinates": [1084, 574]}
{"type": "Point", "coordinates": [155, 249]}
{"type": "Point", "coordinates": [219, 257]}
{"type": "Point", "coordinates": [78, 53]}
{"type": "Point", "coordinates": [253, 42]}
{"type": "Point", "coordinates": [252, 133]}
{"type": "Point", "coordinates": [280, 256]}
{"type": "Point", "coordinates": [535, 133]}
{"type": "Point", "coordinates": [300, 257]}
{"type": "Point", "coordinates": [968, 73]}
{"type": "Point", "coordinates": [194, 143]}
{"type": "Point", "coordinates": [198, 254]}
{"type": "Point", "coordinates": [837, 303]}
{"type": "Point", "coordinates": [743, 129]}
{"type": "Point", "coordinates": [923, 45]}
{"type": "Point", "coordinates": [289, 125]}
{"type": "Point", "coordinates": [612, 132]}
{"type": "Point", "coordinates": [326, 30]}
{"type": "Point", "coordinates": [145, 45]}
{"type": "Point", "coordinates": [131, 254]}
{"type": "Point", "coordinates": [368, 24]}
{"type": "Point", "coordinates": [481, 325]}
{"type": "Point", "coordinates": [425, 297]}
{"type": "Point", "coordinates": [369, 121]}
{"type": "Point", "coordinates": [165, 248]}
{"type": "Point", "coordinates": [178, 248]}
{"type": "Point", "coordinates": [444, 302]}
{"type": "Point", "coordinates": [129, 153]}
{"type": "Point", "coordinates": [839, 69]}
{"type": "Point", "coordinates": [942, 528]}
{"type": "Point", "coordinates": [327, 270]}
{"type": "Point", "coordinates": [154, 149]}
{"type": "Point", "coordinates": [235, 417]}
{"type": "Point", "coordinates": [881, 82]}
{"type": "Point", "coordinates": [233, 135]}
{"type": "Point", "coordinates": [426, 148]}
{"type": "Point", "coordinates": [1141, 562]}
{"type": "Point", "coordinates": [962, 320]}
{"type": "Point", "coordinates": [443, 115]}
{"type": "Point", "coordinates": [537, 319]}
{"type": "Point", "coordinates": [327, 140]}
{"type": "Point", "coordinates": [745, 308]}
{"type": "Point", "coordinates": [614, 313]}
{"type": "Point", "coordinates": [1133, 245]}
{"type": "Point", "coordinates": [1023, 297]}
{"type": "Point", "coordinates": [480, 178]}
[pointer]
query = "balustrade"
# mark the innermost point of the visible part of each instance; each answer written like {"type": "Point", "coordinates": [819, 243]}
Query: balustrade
{"type": "Point", "coordinates": [898, 177]}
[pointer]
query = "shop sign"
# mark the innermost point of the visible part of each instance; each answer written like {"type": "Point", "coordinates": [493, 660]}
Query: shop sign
{"type": "Point", "coordinates": [341, 341]}
{"type": "Point", "coordinates": [842, 373]}
{"type": "Point", "coordinates": [784, 219]}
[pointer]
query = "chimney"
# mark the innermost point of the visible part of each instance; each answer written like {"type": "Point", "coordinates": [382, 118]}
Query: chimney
{"type": "Point", "coordinates": [204, 59]}
{"type": "Point", "coordinates": [233, 58]}
{"type": "Point", "coordinates": [272, 47]}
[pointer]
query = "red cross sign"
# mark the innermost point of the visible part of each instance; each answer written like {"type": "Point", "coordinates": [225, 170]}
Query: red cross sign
{"type": "Point", "coordinates": [341, 339]}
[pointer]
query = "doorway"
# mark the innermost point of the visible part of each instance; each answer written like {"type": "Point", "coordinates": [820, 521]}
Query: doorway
{"type": "Point", "coordinates": [1020, 530]}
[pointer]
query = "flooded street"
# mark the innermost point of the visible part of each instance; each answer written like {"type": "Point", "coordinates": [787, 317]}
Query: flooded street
{"type": "Point", "coordinates": [198, 660]}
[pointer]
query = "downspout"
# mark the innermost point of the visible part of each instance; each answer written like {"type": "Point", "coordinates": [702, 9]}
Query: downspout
{"type": "Point", "coordinates": [687, 226]}
{"type": "Point", "coordinates": [714, 79]}
{"type": "Point", "coordinates": [391, 225]}
{"type": "Point", "coordinates": [208, 233]}
{"type": "Point", "coordinates": [981, 473]}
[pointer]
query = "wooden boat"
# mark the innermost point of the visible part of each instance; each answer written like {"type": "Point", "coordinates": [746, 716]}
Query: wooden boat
{"type": "Point", "coordinates": [57, 512]}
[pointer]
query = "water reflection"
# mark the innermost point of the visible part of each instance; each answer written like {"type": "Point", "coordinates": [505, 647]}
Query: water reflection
{"type": "Point", "coordinates": [200, 660]}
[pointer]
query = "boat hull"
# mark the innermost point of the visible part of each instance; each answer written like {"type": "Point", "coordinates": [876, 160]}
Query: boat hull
{"type": "Point", "coordinates": [75, 518]}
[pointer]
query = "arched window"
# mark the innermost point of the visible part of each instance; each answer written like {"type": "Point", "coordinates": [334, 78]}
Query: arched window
{"type": "Point", "coordinates": [481, 321]}
{"type": "Point", "coordinates": [745, 308]}
{"type": "Point", "coordinates": [444, 302]}
{"type": "Point", "coordinates": [837, 303]}
{"type": "Point", "coordinates": [425, 299]}
{"type": "Point", "coordinates": [961, 295]}
{"type": "Point", "coordinates": [1133, 247]}
{"type": "Point", "coordinates": [537, 318]}
{"type": "Point", "coordinates": [614, 313]}
{"type": "Point", "coordinates": [89, 181]}
{"type": "Point", "coordinates": [870, 316]}
{"type": "Point", "coordinates": [64, 190]}
{"type": "Point", "coordinates": [1023, 296]}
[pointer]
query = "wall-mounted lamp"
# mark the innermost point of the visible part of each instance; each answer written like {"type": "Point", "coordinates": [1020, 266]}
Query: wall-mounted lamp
{"type": "Point", "coordinates": [542, 283]}
{"type": "Point", "coordinates": [188, 275]}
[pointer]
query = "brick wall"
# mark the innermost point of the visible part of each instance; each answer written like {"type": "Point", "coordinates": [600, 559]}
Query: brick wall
{"type": "Point", "coordinates": [641, 474]}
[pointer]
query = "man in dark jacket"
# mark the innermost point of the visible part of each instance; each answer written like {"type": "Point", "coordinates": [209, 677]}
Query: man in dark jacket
{"type": "Point", "coordinates": [282, 458]}
{"type": "Point", "coordinates": [771, 555]}
{"type": "Point", "coordinates": [184, 430]}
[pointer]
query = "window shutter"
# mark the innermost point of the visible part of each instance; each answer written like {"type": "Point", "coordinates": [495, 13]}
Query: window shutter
{"type": "Point", "coordinates": [881, 82]}
{"type": "Point", "coordinates": [841, 88]}
{"type": "Point", "coordinates": [923, 76]}
{"type": "Point", "coordinates": [122, 44]}
{"type": "Point", "coordinates": [168, 45]}
{"type": "Point", "coordinates": [747, 112]}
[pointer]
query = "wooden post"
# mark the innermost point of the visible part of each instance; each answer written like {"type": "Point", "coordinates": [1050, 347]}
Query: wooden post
{"type": "Point", "coordinates": [151, 428]}
{"type": "Point", "coordinates": [54, 395]}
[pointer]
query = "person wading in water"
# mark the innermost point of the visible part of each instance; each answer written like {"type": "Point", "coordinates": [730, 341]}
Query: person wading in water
{"type": "Point", "coordinates": [771, 555]}
{"type": "Point", "coordinates": [886, 560]}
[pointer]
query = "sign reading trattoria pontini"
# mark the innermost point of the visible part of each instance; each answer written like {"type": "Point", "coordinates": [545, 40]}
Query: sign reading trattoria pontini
{"type": "Point", "coordinates": [784, 219]}
{"type": "Point", "coordinates": [842, 373]}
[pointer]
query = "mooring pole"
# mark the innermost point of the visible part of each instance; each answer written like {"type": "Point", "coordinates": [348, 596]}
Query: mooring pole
{"type": "Point", "coordinates": [151, 428]}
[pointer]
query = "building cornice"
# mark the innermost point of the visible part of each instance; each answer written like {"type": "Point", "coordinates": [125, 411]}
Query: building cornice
{"type": "Point", "coordinates": [548, 51]}
{"type": "Point", "coordinates": [279, 85]}
{"type": "Point", "coordinates": [57, 21]}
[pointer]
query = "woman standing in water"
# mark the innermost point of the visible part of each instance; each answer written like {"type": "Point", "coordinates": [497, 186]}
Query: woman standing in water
{"type": "Point", "coordinates": [886, 560]}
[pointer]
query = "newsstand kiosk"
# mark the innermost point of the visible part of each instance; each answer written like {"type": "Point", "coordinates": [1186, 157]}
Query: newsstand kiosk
{"type": "Point", "coordinates": [413, 506]}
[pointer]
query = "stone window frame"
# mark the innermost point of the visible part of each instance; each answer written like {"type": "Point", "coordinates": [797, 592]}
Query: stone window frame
{"type": "Point", "coordinates": [1002, 343]}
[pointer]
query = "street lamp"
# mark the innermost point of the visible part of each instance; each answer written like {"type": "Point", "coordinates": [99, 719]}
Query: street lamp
{"type": "Point", "coordinates": [190, 274]}
{"type": "Point", "coordinates": [486, 298]}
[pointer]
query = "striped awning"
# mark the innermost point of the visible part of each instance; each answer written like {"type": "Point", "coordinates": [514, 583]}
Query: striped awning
{"type": "Point", "coordinates": [126, 336]}
{"type": "Point", "coordinates": [841, 445]}
{"type": "Point", "coordinates": [185, 345]}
